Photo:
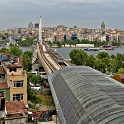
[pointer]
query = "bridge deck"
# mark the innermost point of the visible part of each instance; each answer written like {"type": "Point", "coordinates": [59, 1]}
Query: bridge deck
{"type": "Point", "coordinates": [45, 59]}
{"type": "Point", "coordinates": [52, 61]}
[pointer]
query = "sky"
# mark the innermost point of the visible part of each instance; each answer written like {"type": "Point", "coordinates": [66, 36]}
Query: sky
{"type": "Point", "coordinates": [80, 13]}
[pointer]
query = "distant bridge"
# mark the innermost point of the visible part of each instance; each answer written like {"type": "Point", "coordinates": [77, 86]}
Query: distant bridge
{"type": "Point", "coordinates": [83, 95]}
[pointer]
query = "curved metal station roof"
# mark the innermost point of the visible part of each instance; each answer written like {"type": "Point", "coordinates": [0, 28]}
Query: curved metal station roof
{"type": "Point", "coordinates": [86, 96]}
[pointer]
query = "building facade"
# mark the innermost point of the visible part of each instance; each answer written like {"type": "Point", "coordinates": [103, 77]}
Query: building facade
{"type": "Point", "coordinates": [15, 84]}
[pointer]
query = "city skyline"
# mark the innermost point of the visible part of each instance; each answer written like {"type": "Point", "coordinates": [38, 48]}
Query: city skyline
{"type": "Point", "coordinates": [88, 14]}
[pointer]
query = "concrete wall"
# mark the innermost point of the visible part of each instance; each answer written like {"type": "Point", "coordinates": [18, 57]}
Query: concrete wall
{"type": "Point", "coordinates": [35, 67]}
{"type": "Point", "coordinates": [18, 90]}
{"type": "Point", "coordinates": [21, 120]}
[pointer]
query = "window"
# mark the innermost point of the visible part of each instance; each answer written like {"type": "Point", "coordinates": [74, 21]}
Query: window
{"type": "Point", "coordinates": [2, 93]}
{"type": "Point", "coordinates": [12, 69]}
{"type": "Point", "coordinates": [17, 97]}
{"type": "Point", "coordinates": [2, 76]}
{"type": "Point", "coordinates": [18, 83]}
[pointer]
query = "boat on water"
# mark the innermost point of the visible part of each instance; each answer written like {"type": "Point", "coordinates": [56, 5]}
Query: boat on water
{"type": "Point", "coordinates": [91, 49]}
{"type": "Point", "coordinates": [107, 47]}
{"type": "Point", "coordinates": [110, 48]}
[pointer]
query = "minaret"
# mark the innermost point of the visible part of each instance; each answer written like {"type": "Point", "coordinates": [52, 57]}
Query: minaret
{"type": "Point", "coordinates": [40, 31]}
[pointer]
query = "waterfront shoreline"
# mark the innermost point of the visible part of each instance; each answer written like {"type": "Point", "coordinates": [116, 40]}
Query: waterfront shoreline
{"type": "Point", "coordinates": [85, 47]}
{"type": "Point", "coordinates": [64, 52]}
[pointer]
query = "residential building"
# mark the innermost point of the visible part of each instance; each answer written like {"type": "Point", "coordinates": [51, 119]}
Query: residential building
{"type": "Point", "coordinates": [13, 80]}
{"type": "Point", "coordinates": [16, 112]}
{"type": "Point", "coordinates": [4, 87]}
{"type": "Point", "coordinates": [13, 91]}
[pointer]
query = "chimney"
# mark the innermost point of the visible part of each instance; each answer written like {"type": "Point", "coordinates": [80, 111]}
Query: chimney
{"type": "Point", "coordinates": [20, 61]}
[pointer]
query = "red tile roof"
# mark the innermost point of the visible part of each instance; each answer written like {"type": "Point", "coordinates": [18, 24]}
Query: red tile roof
{"type": "Point", "coordinates": [2, 71]}
{"type": "Point", "coordinates": [3, 85]}
{"type": "Point", "coordinates": [14, 66]}
{"type": "Point", "coordinates": [13, 107]}
{"type": "Point", "coordinates": [121, 76]}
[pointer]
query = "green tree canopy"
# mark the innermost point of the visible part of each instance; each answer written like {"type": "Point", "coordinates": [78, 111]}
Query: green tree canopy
{"type": "Point", "coordinates": [120, 71]}
{"type": "Point", "coordinates": [78, 57]}
{"type": "Point", "coordinates": [27, 42]}
{"type": "Point", "coordinates": [120, 60]}
{"type": "Point", "coordinates": [4, 50]}
{"type": "Point", "coordinates": [69, 42]}
{"type": "Point", "coordinates": [32, 95]}
{"type": "Point", "coordinates": [15, 51]}
{"type": "Point", "coordinates": [31, 92]}
{"type": "Point", "coordinates": [29, 77]}
{"type": "Point", "coordinates": [36, 79]}
{"type": "Point", "coordinates": [102, 55]}
{"type": "Point", "coordinates": [27, 61]}
{"type": "Point", "coordinates": [28, 54]}
{"type": "Point", "coordinates": [100, 65]}
{"type": "Point", "coordinates": [91, 61]}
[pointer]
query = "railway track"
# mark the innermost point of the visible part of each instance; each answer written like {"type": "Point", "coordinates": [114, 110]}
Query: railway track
{"type": "Point", "coordinates": [49, 64]}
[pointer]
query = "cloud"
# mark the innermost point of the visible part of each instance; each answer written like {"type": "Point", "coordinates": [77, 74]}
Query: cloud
{"type": "Point", "coordinates": [20, 12]}
{"type": "Point", "coordinates": [58, 2]}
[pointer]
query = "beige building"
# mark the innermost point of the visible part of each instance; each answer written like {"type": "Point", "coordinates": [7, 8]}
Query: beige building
{"type": "Point", "coordinates": [16, 79]}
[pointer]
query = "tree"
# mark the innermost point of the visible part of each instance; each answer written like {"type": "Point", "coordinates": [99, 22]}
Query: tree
{"type": "Point", "coordinates": [28, 53]}
{"type": "Point", "coordinates": [91, 61]}
{"type": "Point", "coordinates": [100, 65]}
{"type": "Point", "coordinates": [15, 51]}
{"type": "Point", "coordinates": [36, 79]}
{"type": "Point", "coordinates": [31, 92]}
{"type": "Point", "coordinates": [102, 55]}
{"type": "Point", "coordinates": [74, 42]}
{"type": "Point", "coordinates": [113, 56]}
{"type": "Point", "coordinates": [59, 44]}
{"type": "Point", "coordinates": [120, 71]}
{"type": "Point", "coordinates": [49, 43]}
{"type": "Point", "coordinates": [120, 60]}
{"type": "Point", "coordinates": [106, 61]}
{"type": "Point", "coordinates": [5, 50]}
{"type": "Point", "coordinates": [27, 61]}
{"type": "Point", "coordinates": [78, 57]}
{"type": "Point", "coordinates": [32, 95]}
{"type": "Point", "coordinates": [115, 43]}
{"type": "Point", "coordinates": [29, 77]}
{"type": "Point", "coordinates": [113, 65]}
{"type": "Point", "coordinates": [69, 42]}
{"type": "Point", "coordinates": [27, 42]}
{"type": "Point", "coordinates": [63, 43]}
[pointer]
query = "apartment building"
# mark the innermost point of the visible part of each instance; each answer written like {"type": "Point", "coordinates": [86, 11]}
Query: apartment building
{"type": "Point", "coordinates": [13, 80]}
{"type": "Point", "coordinates": [13, 91]}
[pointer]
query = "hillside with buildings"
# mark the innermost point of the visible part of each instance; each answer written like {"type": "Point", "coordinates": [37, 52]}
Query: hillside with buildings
{"type": "Point", "coordinates": [62, 33]}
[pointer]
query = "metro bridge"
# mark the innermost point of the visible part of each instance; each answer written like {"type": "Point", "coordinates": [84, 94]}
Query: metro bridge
{"type": "Point", "coordinates": [83, 95]}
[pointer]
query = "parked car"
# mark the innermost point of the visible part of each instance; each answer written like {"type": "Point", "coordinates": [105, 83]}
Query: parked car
{"type": "Point", "coordinates": [36, 87]}
{"type": "Point", "coordinates": [43, 74]}
{"type": "Point", "coordinates": [34, 72]}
